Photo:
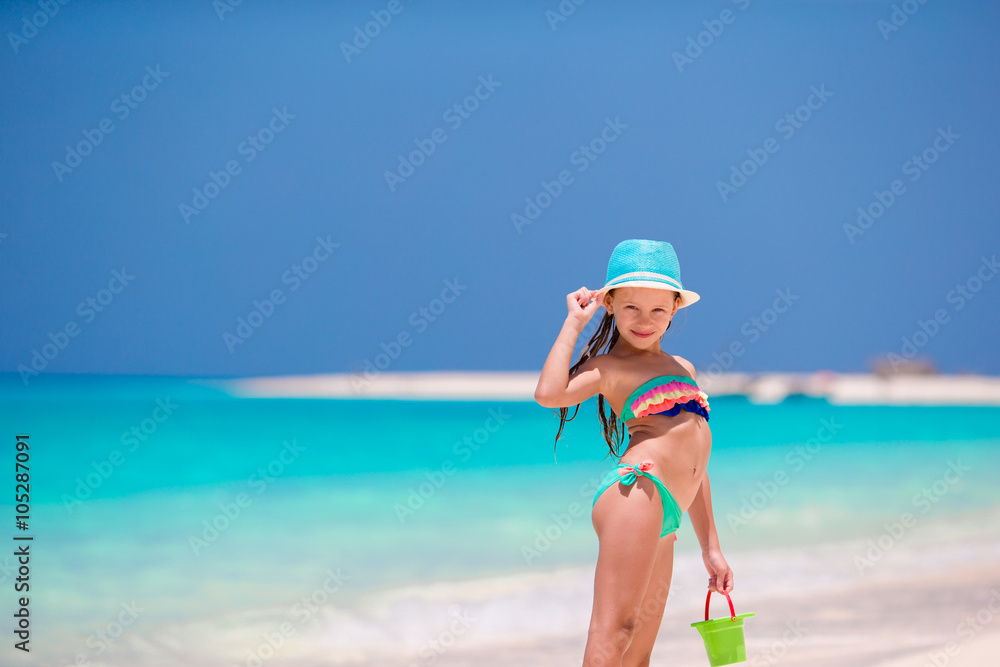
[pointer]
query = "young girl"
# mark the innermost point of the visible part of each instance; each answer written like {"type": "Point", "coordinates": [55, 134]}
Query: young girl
{"type": "Point", "coordinates": [661, 474]}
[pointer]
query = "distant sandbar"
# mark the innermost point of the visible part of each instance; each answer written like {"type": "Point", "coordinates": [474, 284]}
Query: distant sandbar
{"type": "Point", "coordinates": [837, 388]}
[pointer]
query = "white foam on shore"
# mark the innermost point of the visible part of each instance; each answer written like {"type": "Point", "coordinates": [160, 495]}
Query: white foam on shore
{"type": "Point", "coordinates": [837, 388]}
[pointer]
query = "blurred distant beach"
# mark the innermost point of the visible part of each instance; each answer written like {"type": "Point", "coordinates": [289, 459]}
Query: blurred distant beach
{"type": "Point", "coordinates": [837, 388]}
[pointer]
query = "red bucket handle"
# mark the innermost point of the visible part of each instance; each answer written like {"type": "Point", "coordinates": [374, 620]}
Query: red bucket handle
{"type": "Point", "coordinates": [732, 610]}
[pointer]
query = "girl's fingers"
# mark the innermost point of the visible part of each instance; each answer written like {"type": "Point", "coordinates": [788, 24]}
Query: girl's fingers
{"type": "Point", "coordinates": [573, 300]}
{"type": "Point", "coordinates": [581, 297]}
{"type": "Point", "coordinates": [721, 583]}
{"type": "Point", "coordinates": [583, 300]}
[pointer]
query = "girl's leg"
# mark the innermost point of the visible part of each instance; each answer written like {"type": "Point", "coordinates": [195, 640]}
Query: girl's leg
{"type": "Point", "coordinates": [651, 609]}
{"type": "Point", "coordinates": [628, 520]}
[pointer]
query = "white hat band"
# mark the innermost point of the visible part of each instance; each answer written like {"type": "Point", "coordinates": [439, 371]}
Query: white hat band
{"type": "Point", "coordinates": [636, 275]}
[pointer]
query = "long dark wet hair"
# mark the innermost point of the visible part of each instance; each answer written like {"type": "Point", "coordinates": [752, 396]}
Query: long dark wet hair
{"type": "Point", "coordinates": [601, 342]}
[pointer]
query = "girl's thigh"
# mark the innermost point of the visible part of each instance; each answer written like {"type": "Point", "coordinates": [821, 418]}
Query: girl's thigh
{"type": "Point", "coordinates": [628, 520]}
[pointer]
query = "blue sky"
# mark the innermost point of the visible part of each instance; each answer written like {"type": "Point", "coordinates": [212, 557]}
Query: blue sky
{"type": "Point", "coordinates": [288, 141]}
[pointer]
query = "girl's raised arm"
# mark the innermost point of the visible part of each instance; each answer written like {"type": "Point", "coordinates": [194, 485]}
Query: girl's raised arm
{"type": "Point", "coordinates": [556, 389]}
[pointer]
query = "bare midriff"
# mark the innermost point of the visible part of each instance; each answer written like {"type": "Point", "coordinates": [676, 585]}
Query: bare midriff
{"type": "Point", "coordinates": [679, 447]}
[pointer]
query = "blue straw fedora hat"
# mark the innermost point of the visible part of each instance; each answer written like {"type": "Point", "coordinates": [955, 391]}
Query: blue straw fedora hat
{"type": "Point", "coordinates": [642, 263]}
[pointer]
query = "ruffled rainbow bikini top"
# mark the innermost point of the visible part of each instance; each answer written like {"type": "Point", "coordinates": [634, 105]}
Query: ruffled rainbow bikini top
{"type": "Point", "coordinates": [666, 395]}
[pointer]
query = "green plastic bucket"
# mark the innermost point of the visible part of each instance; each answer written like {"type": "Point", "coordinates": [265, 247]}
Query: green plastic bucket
{"type": "Point", "coordinates": [723, 637]}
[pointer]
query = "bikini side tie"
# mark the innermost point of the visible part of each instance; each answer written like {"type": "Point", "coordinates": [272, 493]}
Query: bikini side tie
{"type": "Point", "coordinates": [628, 473]}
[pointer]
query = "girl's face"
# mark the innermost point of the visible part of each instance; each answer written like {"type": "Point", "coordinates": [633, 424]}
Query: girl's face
{"type": "Point", "coordinates": [642, 314]}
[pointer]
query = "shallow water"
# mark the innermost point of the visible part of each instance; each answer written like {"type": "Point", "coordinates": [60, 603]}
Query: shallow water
{"type": "Point", "coordinates": [232, 510]}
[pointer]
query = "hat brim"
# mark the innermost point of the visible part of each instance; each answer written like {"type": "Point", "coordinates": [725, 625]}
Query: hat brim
{"type": "Point", "coordinates": [687, 296]}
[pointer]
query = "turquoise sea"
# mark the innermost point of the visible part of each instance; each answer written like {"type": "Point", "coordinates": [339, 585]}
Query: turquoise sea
{"type": "Point", "coordinates": [162, 508]}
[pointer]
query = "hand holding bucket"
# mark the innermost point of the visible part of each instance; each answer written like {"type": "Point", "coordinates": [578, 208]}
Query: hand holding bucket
{"type": "Point", "coordinates": [723, 637]}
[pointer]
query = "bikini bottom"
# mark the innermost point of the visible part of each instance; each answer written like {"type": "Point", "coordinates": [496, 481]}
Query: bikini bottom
{"type": "Point", "coordinates": [627, 475]}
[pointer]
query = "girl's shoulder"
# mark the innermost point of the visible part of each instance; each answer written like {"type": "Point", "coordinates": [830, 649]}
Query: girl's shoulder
{"type": "Point", "coordinates": [605, 363]}
{"type": "Point", "coordinates": [619, 376]}
{"type": "Point", "coordinates": [688, 366]}
{"type": "Point", "coordinates": [624, 375]}
{"type": "Point", "coordinates": [617, 365]}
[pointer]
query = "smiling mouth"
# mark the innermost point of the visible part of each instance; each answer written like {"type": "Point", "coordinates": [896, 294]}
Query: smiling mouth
{"type": "Point", "coordinates": [642, 335]}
